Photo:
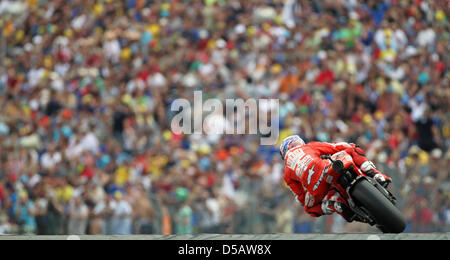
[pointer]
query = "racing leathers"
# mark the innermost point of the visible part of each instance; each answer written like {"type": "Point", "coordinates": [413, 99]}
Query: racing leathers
{"type": "Point", "coordinates": [306, 174]}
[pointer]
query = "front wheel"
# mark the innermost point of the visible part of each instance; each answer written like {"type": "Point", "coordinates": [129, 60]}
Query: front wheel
{"type": "Point", "coordinates": [385, 213]}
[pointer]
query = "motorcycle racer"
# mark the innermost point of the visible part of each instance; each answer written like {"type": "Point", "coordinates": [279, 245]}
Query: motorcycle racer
{"type": "Point", "coordinates": [306, 174]}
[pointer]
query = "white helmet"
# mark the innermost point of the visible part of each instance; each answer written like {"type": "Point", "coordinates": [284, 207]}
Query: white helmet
{"type": "Point", "coordinates": [290, 142]}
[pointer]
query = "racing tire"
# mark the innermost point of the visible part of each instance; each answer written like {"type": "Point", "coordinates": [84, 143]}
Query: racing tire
{"type": "Point", "coordinates": [387, 215]}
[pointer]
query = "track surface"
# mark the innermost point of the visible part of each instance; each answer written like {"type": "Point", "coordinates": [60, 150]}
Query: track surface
{"type": "Point", "coordinates": [404, 236]}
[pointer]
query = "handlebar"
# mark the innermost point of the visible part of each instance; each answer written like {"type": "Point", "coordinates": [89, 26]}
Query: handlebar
{"type": "Point", "coordinates": [326, 157]}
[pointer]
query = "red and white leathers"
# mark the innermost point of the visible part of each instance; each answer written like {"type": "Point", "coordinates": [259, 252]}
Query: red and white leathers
{"type": "Point", "coordinates": [306, 174]}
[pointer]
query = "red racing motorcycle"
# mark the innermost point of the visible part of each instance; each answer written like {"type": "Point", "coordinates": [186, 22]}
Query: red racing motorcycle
{"type": "Point", "coordinates": [372, 203]}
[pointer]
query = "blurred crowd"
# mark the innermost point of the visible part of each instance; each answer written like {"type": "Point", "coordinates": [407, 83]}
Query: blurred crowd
{"type": "Point", "coordinates": [86, 87]}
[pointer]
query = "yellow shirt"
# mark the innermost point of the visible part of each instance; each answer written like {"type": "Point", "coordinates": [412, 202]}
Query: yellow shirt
{"type": "Point", "coordinates": [65, 193]}
{"type": "Point", "coordinates": [122, 175]}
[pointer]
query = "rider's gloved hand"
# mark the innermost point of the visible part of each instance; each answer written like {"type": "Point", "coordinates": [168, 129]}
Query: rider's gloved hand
{"type": "Point", "coordinates": [369, 169]}
{"type": "Point", "coordinates": [383, 180]}
{"type": "Point", "coordinates": [379, 177]}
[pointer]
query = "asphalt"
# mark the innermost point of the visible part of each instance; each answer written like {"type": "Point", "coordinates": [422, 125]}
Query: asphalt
{"type": "Point", "coordinates": [404, 236]}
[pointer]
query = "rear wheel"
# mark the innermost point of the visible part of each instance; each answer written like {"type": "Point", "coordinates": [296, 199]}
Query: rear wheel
{"type": "Point", "coordinates": [385, 213]}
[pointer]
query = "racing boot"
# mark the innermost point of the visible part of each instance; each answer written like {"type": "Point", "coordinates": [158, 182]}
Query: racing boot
{"type": "Point", "coordinates": [334, 202]}
{"type": "Point", "coordinates": [328, 207]}
{"type": "Point", "coordinates": [369, 169]}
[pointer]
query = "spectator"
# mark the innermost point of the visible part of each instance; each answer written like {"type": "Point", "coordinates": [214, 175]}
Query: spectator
{"type": "Point", "coordinates": [78, 216]}
{"type": "Point", "coordinates": [51, 158]}
{"type": "Point", "coordinates": [143, 213]}
{"type": "Point", "coordinates": [121, 221]}
{"type": "Point", "coordinates": [86, 89]}
{"type": "Point", "coordinates": [24, 212]}
{"type": "Point", "coordinates": [166, 221]}
{"type": "Point", "coordinates": [1, 195]}
{"type": "Point", "coordinates": [5, 228]}
{"type": "Point", "coordinates": [427, 132]}
{"type": "Point", "coordinates": [285, 219]}
{"type": "Point", "coordinates": [98, 216]}
{"type": "Point", "coordinates": [42, 215]}
{"type": "Point", "coordinates": [268, 209]}
{"type": "Point", "coordinates": [55, 215]}
{"type": "Point", "coordinates": [184, 219]}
